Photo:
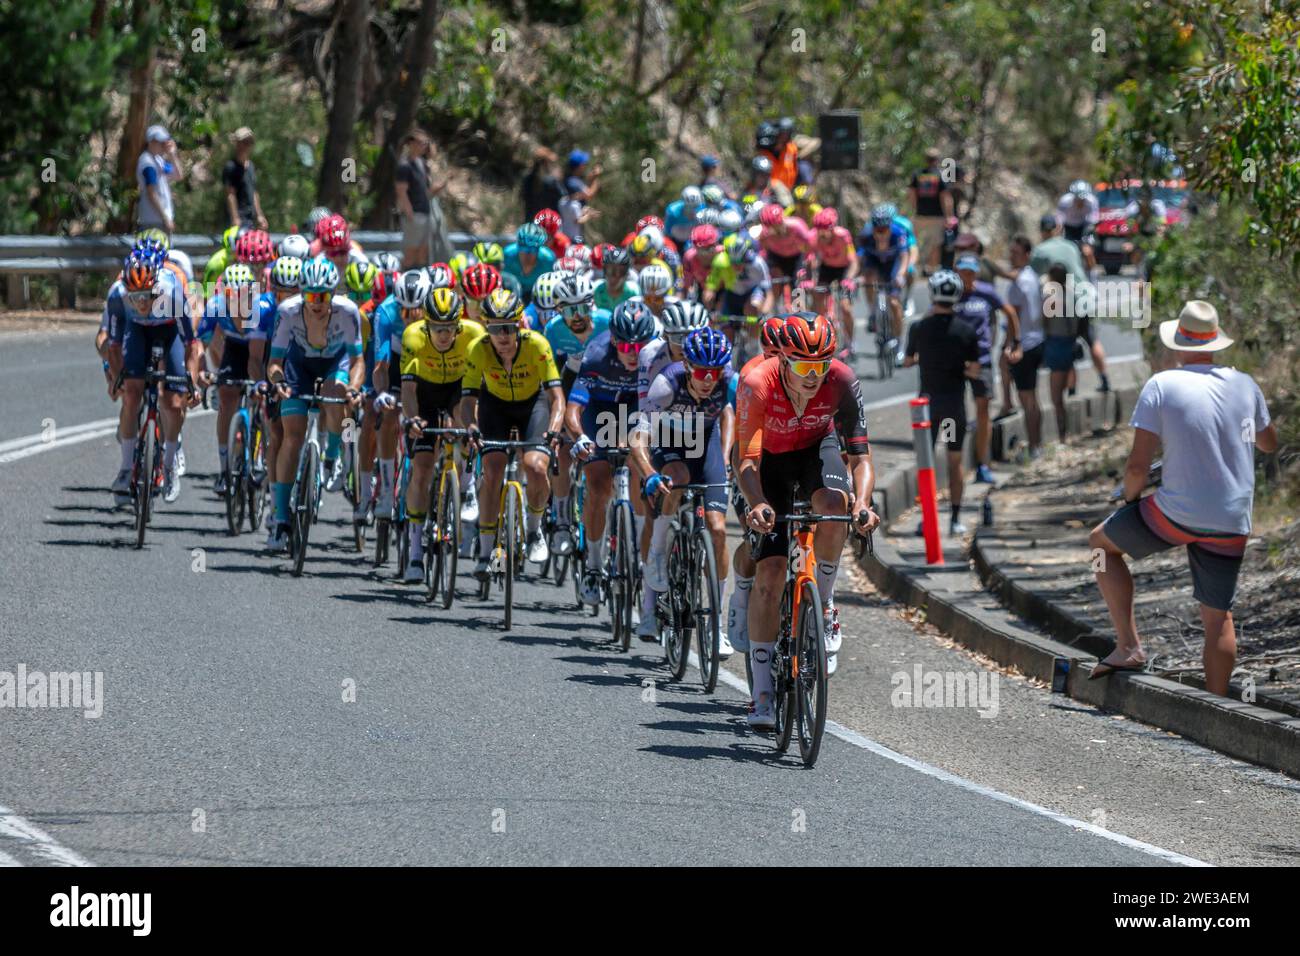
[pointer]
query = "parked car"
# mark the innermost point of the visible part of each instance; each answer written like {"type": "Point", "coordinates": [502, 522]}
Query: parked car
{"type": "Point", "coordinates": [1113, 237]}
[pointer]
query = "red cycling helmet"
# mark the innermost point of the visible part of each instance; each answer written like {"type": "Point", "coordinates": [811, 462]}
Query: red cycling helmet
{"type": "Point", "coordinates": [569, 264]}
{"type": "Point", "coordinates": [549, 220]}
{"type": "Point", "coordinates": [769, 335]}
{"type": "Point", "coordinates": [807, 336]}
{"type": "Point", "coordinates": [772, 215]}
{"type": "Point", "coordinates": [827, 218]}
{"type": "Point", "coordinates": [382, 287]}
{"type": "Point", "coordinates": [704, 236]}
{"type": "Point", "coordinates": [480, 280]}
{"type": "Point", "coordinates": [254, 247]}
{"type": "Point", "coordinates": [333, 233]}
{"type": "Point", "coordinates": [649, 221]}
{"type": "Point", "coordinates": [598, 256]}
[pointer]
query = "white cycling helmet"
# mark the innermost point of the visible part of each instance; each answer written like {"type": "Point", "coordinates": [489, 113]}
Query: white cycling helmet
{"type": "Point", "coordinates": [182, 260]}
{"type": "Point", "coordinates": [320, 275]}
{"type": "Point", "coordinates": [295, 245]}
{"type": "Point", "coordinates": [945, 287]}
{"type": "Point", "coordinates": [577, 290]}
{"type": "Point", "coordinates": [1079, 188]}
{"type": "Point", "coordinates": [682, 317]}
{"type": "Point", "coordinates": [692, 197]}
{"type": "Point", "coordinates": [387, 262]}
{"type": "Point", "coordinates": [413, 289]}
{"type": "Point", "coordinates": [729, 221]}
{"type": "Point", "coordinates": [546, 290]}
{"type": "Point", "coordinates": [655, 279]}
{"type": "Point", "coordinates": [440, 276]}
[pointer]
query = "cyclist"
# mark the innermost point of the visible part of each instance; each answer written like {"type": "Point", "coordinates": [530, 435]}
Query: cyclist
{"type": "Point", "coordinates": [315, 218]}
{"type": "Point", "coordinates": [527, 258]}
{"type": "Point", "coordinates": [656, 282]}
{"type": "Point", "coordinates": [334, 241]}
{"type": "Point", "coordinates": [884, 254]}
{"type": "Point", "coordinates": [254, 248]}
{"type": "Point", "coordinates": [687, 419]}
{"type": "Point", "coordinates": [317, 336]}
{"type": "Point", "coordinates": [297, 246]}
{"type": "Point", "coordinates": [407, 305]}
{"type": "Point", "coordinates": [679, 217]}
{"type": "Point", "coordinates": [223, 257]}
{"type": "Point", "coordinates": [434, 356]}
{"type": "Point", "coordinates": [834, 253]}
{"type": "Point", "coordinates": [617, 286]}
{"type": "Point", "coordinates": [477, 282]}
{"type": "Point", "coordinates": [805, 205]}
{"type": "Point", "coordinates": [913, 256]}
{"type": "Point", "coordinates": [784, 241]}
{"type": "Point", "coordinates": [600, 402]}
{"type": "Point", "coordinates": [741, 275]}
{"type": "Point", "coordinates": [546, 302]}
{"type": "Point", "coordinates": [699, 259]}
{"type": "Point", "coordinates": [148, 307]}
{"type": "Point", "coordinates": [511, 382]}
{"type": "Point", "coordinates": [789, 411]}
{"type": "Point", "coordinates": [556, 240]}
{"type": "Point", "coordinates": [237, 321]}
{"type": "Point", "coordinates": [286, 282]}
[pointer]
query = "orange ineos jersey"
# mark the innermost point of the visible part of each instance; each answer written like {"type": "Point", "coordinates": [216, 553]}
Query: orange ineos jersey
{"type": "Point", "coordinates": [766, 419]}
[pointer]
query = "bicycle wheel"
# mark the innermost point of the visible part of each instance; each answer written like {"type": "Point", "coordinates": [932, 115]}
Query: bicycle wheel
{"type": "Point", "coordinates": [449, 539]}
{"type": "Point", "coordinates": [706, 599]}
{"type": "Point", "coordinates": [810, 679]}
{"type": "Point", "coordinates": [257, 486]}
{"type": "Point", "coordinates": [783, 703]}
{"type": "Point", "coordinates": [677, 641]}
{"type": "Point", "coordinates": [508, 535]}
{"type": "Point", "coordinates": [146, 454]}
{"type": "Point", "coordinates": [236, 439]}
{"type": "Point", "coordinates": [306, 486]}
{"type": "Point", "coordinates": [622, 580]}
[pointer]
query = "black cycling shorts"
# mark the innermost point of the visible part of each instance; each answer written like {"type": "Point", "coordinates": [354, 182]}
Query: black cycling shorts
{"type": "Point", "coordinates": [530, 417]}
{"type": "Point", "coordinates": [821, 466]}
{"type": "Point", "coordinates": [431, 400]}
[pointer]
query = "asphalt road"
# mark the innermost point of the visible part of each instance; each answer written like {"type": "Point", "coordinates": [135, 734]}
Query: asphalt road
{"type": "Point", "coordinates": [226, 738]}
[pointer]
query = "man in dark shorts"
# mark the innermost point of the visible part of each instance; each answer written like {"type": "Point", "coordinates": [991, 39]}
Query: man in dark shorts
{"type": "Point", "coordinates": [1026, 297]}
{"type": "Point", "coordinates": [947, 350]}
{"type": "Point", "coordinates": [978, 306]}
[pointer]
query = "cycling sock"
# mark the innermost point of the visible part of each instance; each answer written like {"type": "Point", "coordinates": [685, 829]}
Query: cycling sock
{"type": "Point", "coordinates": [659, 533]}
{"type": "Point", "coordinates": [740, 596]}
{"type": "Point", "coordinates": [333, 442]}
{"type": "Point", "coordinates": [595, 553]}
{"type": "Point", "coordinates": [223, 453]}
{"type": "Point", "coordinates": [638, 521]}
{"type": "Point", "coordinates": [415, 526]}
{"type": "Point", "coordinates": [386, 467]}
{"type": "Point", "coordinates": [760, 658]}
{"type": "Point", "coordinates": [826, 572]}
{"type": "Point", "coordinates": [648, 604]}
{"type": "Point", "coordinates": [169, 453]}
{"type": "Point", "coordinates": [487, 537]}
{"type": "Point", "coordinates": [956, 513]}
{"type": "Point", "coordinates": [128, 453]}
{"type": "Point", "coordinates": [562, 511]}
{"type": "Point", "coordinates": [281, 490]}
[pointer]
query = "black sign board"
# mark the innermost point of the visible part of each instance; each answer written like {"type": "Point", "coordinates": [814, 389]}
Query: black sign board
{"type": "Point", "coordinates": [839, 132]}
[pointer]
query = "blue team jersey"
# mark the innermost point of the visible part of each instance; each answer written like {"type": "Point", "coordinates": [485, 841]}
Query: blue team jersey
{"type": "Point", "coordinates": [386, 328]}
{"type": "Point", "coordinates": [568, 350]}
{"type": "Point", "coordinates": [602, 376]}
{"type": "Point", "coordinates": [545, 262]}
{"type": "Point", "coordinates": [886, 262]}
{"type": "Point", "coordinates": [169, 304]}
{"type": "Point", "coordinates": [669, 395]}
{"type": "Point", "coordinates": [902, 222]}
{"type": "Point", "coordinates": [539, 319]}
{"type": "Point", "coordinates": [259, 326]}
{"type": "Point", "coordinates": [678, 222]}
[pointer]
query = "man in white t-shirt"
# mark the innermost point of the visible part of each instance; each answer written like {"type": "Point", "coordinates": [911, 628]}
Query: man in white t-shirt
{"type": "Point", "coordinates": [1026, 297]}
{"type": "Point", "coordinates": [158, 166]}
{"type": "Point", "coordinates": [1209, 420]}
{"type": "Point", "coordinates": [1078, 211]}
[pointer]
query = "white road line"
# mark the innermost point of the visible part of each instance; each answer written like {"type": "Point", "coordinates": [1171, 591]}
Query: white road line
{"type": "Point", "coordinates": [59, 432]}
{"type": "Point", "coordinates": [72, 435]}
{"type": "Point", "coordinates": [865, 743]}
{"type": "Point", "coordinates": [37, 842]}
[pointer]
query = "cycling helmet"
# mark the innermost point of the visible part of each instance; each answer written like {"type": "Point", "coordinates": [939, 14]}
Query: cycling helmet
{"type": "Point", "coordinates": [387, 262]}
{"type": "Point", "coordinates": [489, 252]}
{"type": "Point", "coordinates": [785, 124]}
{"type": "Point", "coordinates": [828, 218]}
{"type": "Point", "coordinates": [761, 165]}
{"type": "Point", "coordinates": [771, 215]}
{"type": "Point", "coordinates": [754, 213]}
{"type": "Point", "coordinates": [179, 258]}
{"type": "Point", "coordinates": [729, 221]}
{"type": "Point", "coordinates": [1079, 188]}
{"type": "Point", "coordinates": [151, 249]}
{"type": "Point", "coordinates": [682, 317]}
{"type": "Point", "coordinates": [479, 281]}
{"type": "Point", "coordinates": [741, 248]}
{"type": "Point", "coordinates": [440, 276]}
{"type": "Point", "coordinates": [412, 289]}
{"type": "Point", "coordinates": [646, 221]}
{"type": "Point", "coordinates": [230, 237]}
{"type": "Point", "coordinates": [577, 290]}
{"type": "Point", "coordinates": [360, 276]}
{"type": "Point", "coordinates": [580, 252]}
{"type": "Point", "coordinates": [287, 272]}
{"type": "Point", "coordinates": [568, 265]}
{"type": "Point", "coordinates": [890, 208]}
{"type": "Point", "coordinates": [598, 255]}
{"type": "Point", "coordinates": [692, 197]}
{"type": "Point", "coordinates": [459, 263]}
{"type": "Point", "coordinates": [154, 233]}
{"type": "Point", "coordinates": [769, 335]}
{"type": "Point", "coordinates": [655, 279]}
{"type": "Point", "coordinates": [704, 236]}
{"type": "Point", "coordinates": [765, 136]}
{"type": "Point", "coordinates": [502, 305]}
{"type": "Point", "coordinates": [295, 245]}
{"type": "Point", "coordinates": [654, 233]}
{"type": "Point", "coordinates": [444, 305]}
{"type": "Point", "coordinates": [255, 247]}
{"type": "Point", "coordinates": [139, 274]}
{"type": "Point", "coordinates": [881, 216]}
{"type": "Point", "coordinates": [945, 287]}
{"type": "Point", "coordinates": [805, 193]}
{"type": "Point", "coordinates": [315, 218]}
{"type": "Point", "coordinates": [616, 256]}
{"type": "Point", "coordinates": [383, 286]}
{"type": "Point", "coordinates": [333, 233]}
{"type": "Point", "coordinates": [632, 322]}
{"type": "Point", "coordinates": [237, 275]}
{"type": "Point", "coordinates": [707, 348]}
{"type": "Point", "coordinates": [807, 336]}
{"type": "Point", "coordinates": [319, 275]}
{"type": "Point", "coordinates": [713, 194]}
{"type": "Point", "coordinates": [549, 220]}
{"type": "Point", "coordinates": [546, 290]}
{"type": "Point", "coordinates": [530, 237]}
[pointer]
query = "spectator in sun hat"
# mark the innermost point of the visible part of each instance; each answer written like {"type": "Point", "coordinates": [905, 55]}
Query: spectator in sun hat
{"type": "Point", "coordinates": [156, 169]}
{"type": "Point", "coordinates": [1207, 419]}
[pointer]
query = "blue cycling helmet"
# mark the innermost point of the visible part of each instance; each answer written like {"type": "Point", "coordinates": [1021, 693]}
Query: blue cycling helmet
{"type": "Point", "coordinates": [883, 214]}
{"type": "Point", "coordinates": [633, 322]}
{"type": "Point", "coordinates": [530, 237]}
{"type": "Point", "coordinates": [707, 348]}
{"type": "Point", "coordinates": [890, 208]}
{"type": "Point", "coordinates": [151, 249]}
{"type": "Point", "coordinates": [319, 275]}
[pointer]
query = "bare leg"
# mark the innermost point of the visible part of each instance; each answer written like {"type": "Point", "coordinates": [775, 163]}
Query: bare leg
{"type": "Point", "coordinates": [1116, 585]}
{"type": "Point", "coordinates": [1220, 652]}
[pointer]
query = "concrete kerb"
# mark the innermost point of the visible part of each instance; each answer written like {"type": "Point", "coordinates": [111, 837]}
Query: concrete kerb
{"type": "Point", "coordinates": [1245, 731]}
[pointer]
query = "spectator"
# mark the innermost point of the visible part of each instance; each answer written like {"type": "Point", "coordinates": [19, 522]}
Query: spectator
{"type": "Point", "coordinates": [932, 206]}
{"type": "Point", "coordinates": [414, 191]}
{"type": "Point", "coordinates": [157, 168]}
{"type": "Point", "coordinates": [243, 206]}
{"type": "Point", "coordinates": [1026, 297]}
{"type": "Point", "coordinates": [575, 210]}
{"type": "Point", "coordinates": [785, 156]}
{"type": "Point", "coordinates": [1056, 249]}
{"type": "Point", "coordinates": [1208, 420]}
{"type": "Point", "coordinates": [541, 188]}
{"type": "Point", "coordinates": [808, 147]}
{"type": "Point", "coordinates": [709, 176]}
{"type": "Point", "coordinates": [978, 306]}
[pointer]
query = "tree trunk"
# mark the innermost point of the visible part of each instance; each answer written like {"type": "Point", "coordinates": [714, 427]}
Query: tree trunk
{"type": "Point", "coordinates": [137, 115]}
{"type": "Point", "coordinates": [415, 63]}
{"type": "Point", "coordinates": [339, 159]}
{"type": "Point", "coordinates": [638, 52]}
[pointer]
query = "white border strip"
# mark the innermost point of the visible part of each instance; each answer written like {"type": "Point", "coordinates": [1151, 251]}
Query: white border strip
{"type": "Point", "coordinates": [40, 843]}
{"type": "Point", "coordinates": [35, 444]}
{"type": "Point", "coordinates": [865, 743]}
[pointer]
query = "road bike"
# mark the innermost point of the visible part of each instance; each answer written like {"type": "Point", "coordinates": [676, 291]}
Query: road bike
{"type": "Point", "coordinates": [147, 470]}
{"type": "Point", "coordinates": [692, 606]}
{"type": "Point", "coordinates": [621, 581]}
{"type": "Point", "coordinates": [308, 479]}
{"type": "Point", "coordinates": [441, 529]}
{"type": "Point", "coordinates": [881, 326]}
{"type": "Point", "coordinates": [506, 560]}
{"type": "Point", "coordinates": [247, 441]}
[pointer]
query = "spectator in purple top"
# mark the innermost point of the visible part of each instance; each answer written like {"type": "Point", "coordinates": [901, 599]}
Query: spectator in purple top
{"type": "Point", "coordinates": [978, 306]}
{"type": "Point", "coordinates": [157, 168]}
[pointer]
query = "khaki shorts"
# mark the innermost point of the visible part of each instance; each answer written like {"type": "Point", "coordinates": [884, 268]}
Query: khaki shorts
{"type": "Point", "coordinates": [929, 236]}
{"type": "Point", "coordinates": [417, 230]}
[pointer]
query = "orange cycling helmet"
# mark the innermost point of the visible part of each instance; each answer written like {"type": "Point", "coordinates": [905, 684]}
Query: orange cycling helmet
{"type": "Point", "coordinates": [139, 274]}
{"type": "Point", "coordinates": [769, 335]}
{"type": "Point", "coordinates": [480, 280]}
{"type": "Point", "coordinates": [807, 336]}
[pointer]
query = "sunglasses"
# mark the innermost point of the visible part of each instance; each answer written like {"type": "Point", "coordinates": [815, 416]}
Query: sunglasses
{"type": "Point", "coordinates": [629, 348]}
{"type": "Point", "coordinates": [706, 373]}
{"type": "Point", "coordinates": [575, 311]}
{"type": "Point", "coordinates": [316, 298]}
{"type": "Point", "coordinates": [503, 328]}
{"type": "Point", "coordinates": [140, 297]}
{"type": "Point", "coordinates": [410, 315]}
{"type": "Point", "coordinates": [804, 368]}
{"type": "Point", "coordinates": [441, 328]}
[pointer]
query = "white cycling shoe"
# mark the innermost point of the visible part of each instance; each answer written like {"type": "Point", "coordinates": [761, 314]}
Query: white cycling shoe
{"type": "Point", "coordinates": [414, 573]}
{"type": "Point", "coordinates": [760, 714]}
{"type": "Point", "coordinates": [656, 570]}
{"type": "Point", "coordinates": [334, 481]}
{"type": "Point", "coordinates": [725, 649]}
{"type": "Point", "coordinates": [469, 506]}
{"type": "Point", "coordinates": [831, 629]}
{"type": "Point", "coordinates": [590, 590]}
{"type": "Point", "coordinates": [172, 486]}
{"type": "Point", "coordinates": [538, 552]}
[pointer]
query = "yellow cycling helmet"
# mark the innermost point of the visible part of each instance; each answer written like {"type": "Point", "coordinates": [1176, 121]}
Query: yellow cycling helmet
{"type": "Point", "coordinates": [230, 235]}
{"type": "Point", "coordinates": [503, 305]}
{"type": "Point", "coordinates": [444, 305]}
{"type": "Point", "coordinates": [804, 194]}
{"type": "Point", "coordinates": [458, 264]}
{"type": "Point", "coordinates": [489, 252]}
{"type": "Point", "coordinates": [360, 276]}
